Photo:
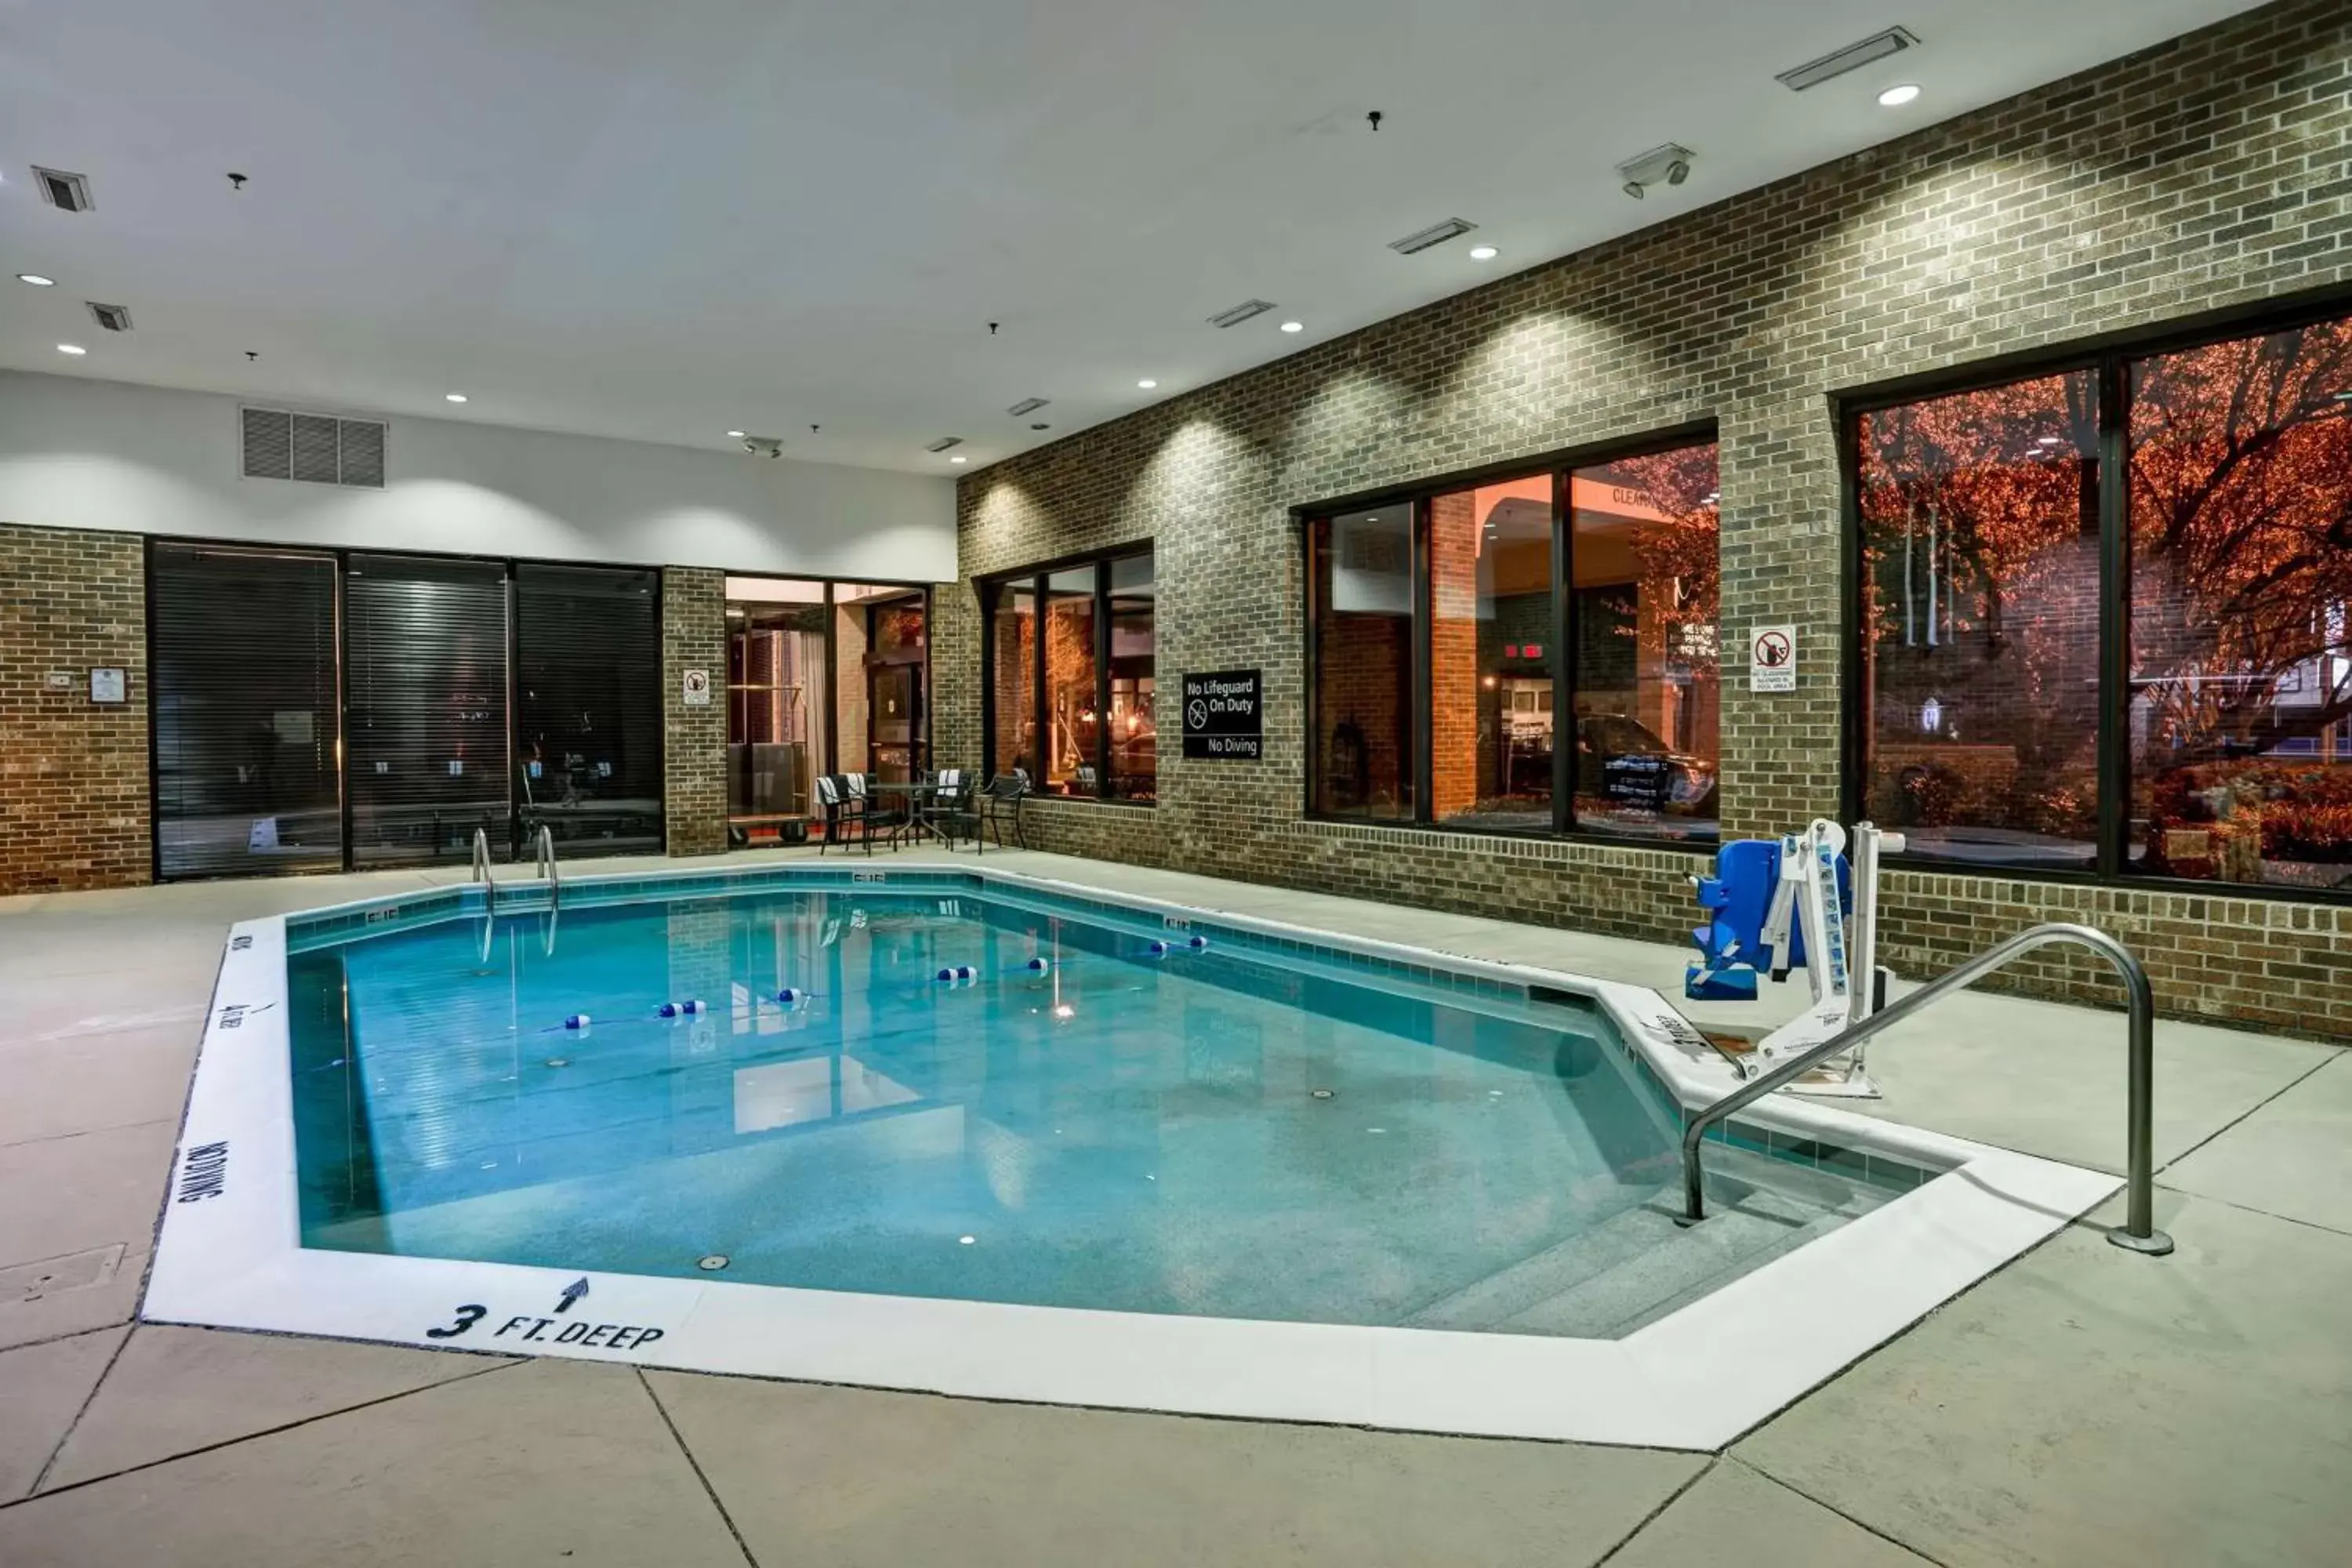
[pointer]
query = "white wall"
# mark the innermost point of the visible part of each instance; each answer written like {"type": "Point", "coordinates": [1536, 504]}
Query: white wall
{"type": "Point", "coordinates": [77, 453]}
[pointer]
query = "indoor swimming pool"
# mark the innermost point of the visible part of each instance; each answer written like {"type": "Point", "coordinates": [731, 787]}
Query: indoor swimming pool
{"type": "Point", "coordinates": [1092, 1110]}
{"type": "Point", "coordinates": [980, 1133]}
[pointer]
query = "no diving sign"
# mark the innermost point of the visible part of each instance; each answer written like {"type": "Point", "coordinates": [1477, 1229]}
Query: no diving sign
{"type": "Point", "coordinates": [1772, 658]}
{"type": "Point", "coordinates": [1221, 717]}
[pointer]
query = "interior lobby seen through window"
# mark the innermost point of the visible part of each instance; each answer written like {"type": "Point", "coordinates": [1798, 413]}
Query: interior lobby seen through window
{"type": "Point", "coordinates": [822, 677]}
{"type": "Point", "coordinates": [1074, 647]}
{"type": "Point", "coordinates": [1362, 580]}
{"type": "Point", "coordinates": [1613, 622]}
{"type": "Point", "coordinates": [2229, 748]}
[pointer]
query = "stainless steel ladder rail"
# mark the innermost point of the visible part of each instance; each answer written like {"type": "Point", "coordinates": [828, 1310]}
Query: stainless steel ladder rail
{"type": "Point", "coordinates": [482, 870]}
{"type": "Point", "coordinates": [545, 848]}
{"type": "Point", "coordinates": [2138, 1230]}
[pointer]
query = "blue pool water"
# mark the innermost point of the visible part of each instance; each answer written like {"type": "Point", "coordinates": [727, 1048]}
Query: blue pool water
{"type": "Point", "coordinates": [1219, 1131]}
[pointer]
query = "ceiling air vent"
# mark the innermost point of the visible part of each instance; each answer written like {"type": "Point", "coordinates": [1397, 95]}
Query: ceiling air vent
{"type": "Point", "coordinates": [113, 318]}
{"type": "Point", "coordinates": [1437, 233]}
{"type": "Point", "coordinates": [943, 443]}
{"type": "Point", "coordinates": [317, 449]}
{"type": "Point", "coordinates": [67, 193]}
{"type": "Point", "coordinates": [1851, 57]}
{"type": "Point", "coordinates": [1241, 312]}
{"type": "Point", "coordinates": [1026, 405]}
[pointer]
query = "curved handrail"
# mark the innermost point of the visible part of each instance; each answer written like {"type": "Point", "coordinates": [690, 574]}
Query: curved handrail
{"type": "Point", "coordinates": [546, 849]}
{"type": "Point", "coordinates": [2138, 1230]}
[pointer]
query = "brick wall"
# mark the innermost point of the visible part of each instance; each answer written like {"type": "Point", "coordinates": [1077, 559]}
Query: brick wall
{"type": "Point", "coordinates": [694, 739]}
{"type": "Point", "coordinates": [2211, 170]}
{"type": "Point", "coordinates": [73, 773]}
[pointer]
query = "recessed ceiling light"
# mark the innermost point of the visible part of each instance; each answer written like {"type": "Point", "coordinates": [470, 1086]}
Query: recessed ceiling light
{"type": "Point", "coordinates": [36, 280]}
{"type": "Point", "coordinates": [71, 349]}
{"type": "Point", "coordinates": [1896, 97]}
{"type": "Point", "coordinates": [455, 397]}
{"type": "Point", "coordinates": [1294, 326]}
{"type": "Point", "coordinates": [958, 457]}
{"type": "Point", "coordinates": [1483, 253]}
{"type": "Point", "coordinates": [1147, 383]}
{"type": "Point", "coordinates": [734, 434]}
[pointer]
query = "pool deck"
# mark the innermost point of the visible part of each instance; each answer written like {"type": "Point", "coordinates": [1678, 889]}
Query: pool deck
{"type": "Point", "coordinates": [2084, 1406]}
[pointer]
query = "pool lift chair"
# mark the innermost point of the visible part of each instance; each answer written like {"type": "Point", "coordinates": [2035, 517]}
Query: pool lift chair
{"type": "Point", "coordinates": [1776, 904]}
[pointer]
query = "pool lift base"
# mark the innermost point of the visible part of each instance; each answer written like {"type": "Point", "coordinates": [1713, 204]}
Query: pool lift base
{"type": "Point", "coordinates": [1821, 913]}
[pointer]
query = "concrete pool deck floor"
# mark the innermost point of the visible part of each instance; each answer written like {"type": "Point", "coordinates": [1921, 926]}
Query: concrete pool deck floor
{"type": "Point", "coordinates": [2084, 1406]}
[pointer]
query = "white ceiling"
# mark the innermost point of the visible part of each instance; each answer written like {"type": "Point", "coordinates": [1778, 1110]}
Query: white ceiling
{"type": "Point", "coordinates": [665, 220]}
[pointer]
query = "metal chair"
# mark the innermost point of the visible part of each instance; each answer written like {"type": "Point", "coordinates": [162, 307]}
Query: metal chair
{"type": "Point", "coordinates": [873, 816]}
{"type": "Point", "coordinates": [839, 808]}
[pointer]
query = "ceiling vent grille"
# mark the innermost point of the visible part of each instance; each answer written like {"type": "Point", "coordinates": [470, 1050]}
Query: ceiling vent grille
{"type": "Point", "coordinates": [943, 443]}
{"type": "Point", "coordinates": [113, 318]}
{"type": "Point", "coordinates": [1026, 405]}
{"type": "Point", "coordinates": [316, 448]}
{"type": "Point", "coordinates": [1241, 312]}
{"type": "Point", "coordinates": [1436, 234]}
{"type": "Point", "coordinates": [67, 193]}
{"type": "Point", "coordinates": [1851, 57]}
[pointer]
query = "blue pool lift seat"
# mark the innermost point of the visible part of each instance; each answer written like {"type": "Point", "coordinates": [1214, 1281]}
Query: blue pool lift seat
{"type": "Point", "coordinates": [1736, 901]}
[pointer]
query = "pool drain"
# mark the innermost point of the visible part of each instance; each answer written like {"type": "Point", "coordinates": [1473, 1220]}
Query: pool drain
{"type": "Point", "coordinates": [1320, 1093]}
{"type": "Point", "coordinates": [559, 1061]}
{"type": "Point", "coordinates": [713, 1263]}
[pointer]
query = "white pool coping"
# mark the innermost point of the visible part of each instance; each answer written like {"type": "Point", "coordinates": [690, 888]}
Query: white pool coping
{"type": "Point", "coordinates": [229, 1255]}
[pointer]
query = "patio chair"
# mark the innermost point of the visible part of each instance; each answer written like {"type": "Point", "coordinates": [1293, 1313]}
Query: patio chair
{"type": "Point", "coordinates": [997, 803]}
{"type": "Point", "coordinates": [872, 815]}
{"type": "Point", "coordinates": [840, 809]}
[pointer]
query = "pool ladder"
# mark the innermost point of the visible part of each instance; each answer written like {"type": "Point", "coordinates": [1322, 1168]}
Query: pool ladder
{"type": "Point", "coordinates": [2138, 1230]}
{"type": "Point", "coordinates": [542, 849]}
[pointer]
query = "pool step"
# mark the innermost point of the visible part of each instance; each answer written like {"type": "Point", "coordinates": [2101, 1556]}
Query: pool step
{"type": "Point", "coordinates": [1639, 1266]}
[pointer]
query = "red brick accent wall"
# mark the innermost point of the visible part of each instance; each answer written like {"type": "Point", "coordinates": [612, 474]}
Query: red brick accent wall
{"type": "Point", "coordinates": [73, 773]}
{"type": "Point", "coordinates": [1453, 654]}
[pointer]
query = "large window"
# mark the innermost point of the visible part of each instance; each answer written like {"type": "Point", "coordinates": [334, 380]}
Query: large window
{"type": "Point", "coordinates": [2181, 520]}
{"type": "Point", "coordinates": [1069, 655]}
{"type": "Point", "coordinates": [1454, 633]}
{"type": "Point", "coordinates": [822, 677]}
{"type": "Point", "coordinates": [321, 709]}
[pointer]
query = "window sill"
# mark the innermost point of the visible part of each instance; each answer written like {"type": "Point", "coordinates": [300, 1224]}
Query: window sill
{"type": "Point", "coordinates": [1565, 846]}
{"type": "Point", "coordinates": [2168, 887]}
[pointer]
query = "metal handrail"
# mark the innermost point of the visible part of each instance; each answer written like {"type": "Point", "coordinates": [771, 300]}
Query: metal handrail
{"type": "Point", "coordinates": [482, 869]}
{"type": "Point", "coordinates": [2138, 1230]}
{"type": "Point", "coordinates": [546, 847]}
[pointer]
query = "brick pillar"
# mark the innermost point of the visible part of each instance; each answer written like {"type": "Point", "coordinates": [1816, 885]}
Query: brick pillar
{"type": "Point", "coordinates": [74, 810]}
{"type": "Point", "coordinates": [1454, 653]}
{"type": "Point", "coordinates": [694, 739]}
{"type": "Point", "coordinates": [851, 724]}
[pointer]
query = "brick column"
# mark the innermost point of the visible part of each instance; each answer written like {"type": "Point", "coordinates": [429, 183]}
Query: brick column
{"type": "Point", "coordinates": [694, 739]}
{"type": "Point", "coordinates": [1453, 654]}
{"type": "Point", "coordinates": [74, 810]}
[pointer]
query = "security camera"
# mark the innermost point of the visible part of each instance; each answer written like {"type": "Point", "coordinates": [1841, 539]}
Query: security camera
{"type": "Point", "coordinates": [763, 446]}
{"type": "Point", "coordinates": [1679, 170]}
{"type": "Point", "coordinates": [1633, 189]}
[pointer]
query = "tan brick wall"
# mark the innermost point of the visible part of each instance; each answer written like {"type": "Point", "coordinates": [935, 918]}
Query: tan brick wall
{"type": "Point", "coordinates": [73, 775]}
{"type": "Point", "coordinates": [2212, 171]}
{"type": "Point", "coordinates": [693, 749]}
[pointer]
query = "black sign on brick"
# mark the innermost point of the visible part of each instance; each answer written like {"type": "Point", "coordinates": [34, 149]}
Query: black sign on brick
{"type": "Point", "coordinates": [1222, 717]}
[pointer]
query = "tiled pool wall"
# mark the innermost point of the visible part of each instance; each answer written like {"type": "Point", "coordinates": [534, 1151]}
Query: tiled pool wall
{"type": "Point", "coordinates": [311, 930]}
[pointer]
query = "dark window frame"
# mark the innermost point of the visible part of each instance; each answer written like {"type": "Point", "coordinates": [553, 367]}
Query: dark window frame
{"type": "Point", "coordinates": [341, 557]}
{"type": "Point", "coordinates": [2108, 358]}
{"type": "Point", "coordinates": [1560, 465]}
{"type": "Point", "coordinates": [1034, 578]}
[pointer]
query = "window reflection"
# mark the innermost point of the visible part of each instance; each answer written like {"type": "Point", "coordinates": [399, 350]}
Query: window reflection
{"type": "Point", "coordinates": [1012, 642]}
{"type": "Point", "coordinates": [1648, 707]}
{"type": "Point", "coordinates": [1363, 695]}
{"type": "Point", "coordinates": [1134, 732]}
{"type": "Point", "coordinates": [2239, 718]}
{"type": "Point", "coordinates": [1073, 722]}
{"type": "Point", "coordinates": [1491, 655]}
{"type": "Point", "coordinates": [1980, 608]}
